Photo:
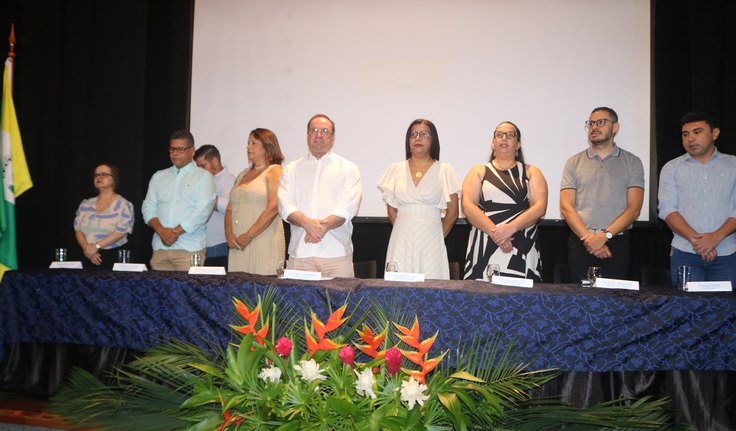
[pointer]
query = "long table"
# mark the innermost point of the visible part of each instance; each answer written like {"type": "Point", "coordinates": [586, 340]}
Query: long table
{"type": "Point", "coordinates": [554, 326]}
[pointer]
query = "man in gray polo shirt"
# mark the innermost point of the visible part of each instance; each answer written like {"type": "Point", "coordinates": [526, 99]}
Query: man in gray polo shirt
{"type": "Point", "coordinates": [601, 195]}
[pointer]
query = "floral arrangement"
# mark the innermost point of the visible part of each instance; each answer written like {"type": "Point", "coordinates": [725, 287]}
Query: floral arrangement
{"type": "Point", "coordinates": [328, 375]}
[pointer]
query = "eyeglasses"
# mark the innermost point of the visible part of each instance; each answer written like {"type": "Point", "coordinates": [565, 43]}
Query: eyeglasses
{"type": "Point", "coordinates": [422, 134]}
{"type": "Point", "coordinates": [179, 149]}
{"type": "Point", "coordinates": [599, 122]}
{"type": "Point", "coordinates": [318, 131]}
{"type": "Point", "coordinates": [509, 135]}
{"type": "Point", "coordinates": [101, 175]}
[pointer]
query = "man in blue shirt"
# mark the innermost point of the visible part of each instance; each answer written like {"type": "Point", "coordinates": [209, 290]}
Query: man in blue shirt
{"type": "Point", "coordinates": [697, 200]}
{"type": "Point", "coordinates": [178, 203]}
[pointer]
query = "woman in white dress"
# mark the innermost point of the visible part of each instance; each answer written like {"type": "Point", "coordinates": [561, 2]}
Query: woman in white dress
{"type": "Point", "coordinates": [421, 196]}
{"type": "Point", "coordinates": [504, 200]}
{"type": "Point", "coordinates": [254, 232]}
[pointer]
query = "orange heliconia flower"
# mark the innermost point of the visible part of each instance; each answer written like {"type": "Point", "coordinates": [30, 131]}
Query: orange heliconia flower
{"type": "Point", "coordinates": [323, 344]}
{"type": "Point", "coordinates": [321, 329]}
{"type": "Point", "coordinates": [333, 322]}
{"type": "Point", "coordinates": [373, 342]}
{"type": "Point", "coordinates": [411, 337]}
{"type": "Point", "coordinates": [251, 317]}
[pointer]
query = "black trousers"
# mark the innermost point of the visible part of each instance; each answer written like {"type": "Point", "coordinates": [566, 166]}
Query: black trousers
{"type": "Point", "coordinates": [617, 266]}
{"type": "Point", "coordinates": [109, 257]}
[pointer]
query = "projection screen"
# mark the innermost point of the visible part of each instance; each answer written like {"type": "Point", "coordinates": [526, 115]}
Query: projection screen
{"type": "Point", "coordinates": [467, 65]}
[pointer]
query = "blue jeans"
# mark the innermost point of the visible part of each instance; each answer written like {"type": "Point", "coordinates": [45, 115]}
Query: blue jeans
{"type": "Point", "coordinates": [217, 255]}
{"type": "Point", "coordinates": [218, 250]}
{"type": "Point", "coordinates": [723, 268]}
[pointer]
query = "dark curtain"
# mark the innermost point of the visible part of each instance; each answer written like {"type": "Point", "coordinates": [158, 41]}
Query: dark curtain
{"type": "Point", "coordinates": [694, 69]}
{"type": "Point", "coordinates": [95, 81]}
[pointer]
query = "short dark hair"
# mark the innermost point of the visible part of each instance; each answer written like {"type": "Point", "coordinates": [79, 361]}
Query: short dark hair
{"type": "Point", "coordinates": [208, 151]}
{"type": "Point", "coordinates": [694, 116]}
{"type": "Point", "coordinates": [321, 116]}
{"type": "Point", "coordinates": [520, 154]}
{"type": "Point", "coordinates": [184, 135]}
{"type": "Point", "coordinates": [611, 112]}
{"type": "Point", "coordinates": [115, 173]}
{"type": "Point", "coordinates": [434, 149]}
{"type": "Point", "coordinates": [270, 142]}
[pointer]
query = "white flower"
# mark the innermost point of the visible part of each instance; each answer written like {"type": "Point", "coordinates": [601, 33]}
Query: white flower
{"type": "Point", "coordinates": [411, 392]}
{"type": "Point", "coordinates": [272, 374]}
{"type": "Point", "coordinates": [310, 370]}
{"type": "Point", "coordinates": [364, 384]}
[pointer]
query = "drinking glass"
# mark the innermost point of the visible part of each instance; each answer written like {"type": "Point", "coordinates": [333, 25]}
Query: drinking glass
{"type": "Point", "coordinates": [392, 266]}
{"type": "Point", "coordinates": [683, 276]}
{"type": "Point", "coordinates": [491, 270]}
{"type": "Point", "coordinates": [60, 254]}
{"type": "Point", "coordinates": [280, 268]}
{"type": "Point", "coordinates": [195, 259]}
{"type": "Point", "coordinates": [593, 273]}
{"type": "Point", "coordinates": [123, 256]}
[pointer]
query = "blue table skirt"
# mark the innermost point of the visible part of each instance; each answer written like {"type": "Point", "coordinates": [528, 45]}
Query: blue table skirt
{"type": "Point", "coordinates": [555, 326]}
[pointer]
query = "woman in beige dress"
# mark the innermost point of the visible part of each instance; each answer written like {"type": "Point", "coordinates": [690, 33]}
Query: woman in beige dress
{"type": "Point", "coordinates": [254, 232]}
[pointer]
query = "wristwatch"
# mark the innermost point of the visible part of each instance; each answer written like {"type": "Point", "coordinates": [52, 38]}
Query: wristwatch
{"type": "Point", "coordinates": [97, 246]}
{"type": "Point", "coordinates": [608, 234]}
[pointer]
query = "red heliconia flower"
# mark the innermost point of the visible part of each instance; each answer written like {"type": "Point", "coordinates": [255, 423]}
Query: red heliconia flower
{"type": "Point", "coordinates": [283, 347]}
{"type": "Point", "coordinates": [347, 355]}
{"type": "Point", "coordinates": [393, 361]}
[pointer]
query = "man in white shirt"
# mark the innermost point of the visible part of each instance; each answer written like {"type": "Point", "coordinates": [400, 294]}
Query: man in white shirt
{"type": "Point", "coordinates": [207, 157]}
{"type": "Point", "coordinates": [319, 195]}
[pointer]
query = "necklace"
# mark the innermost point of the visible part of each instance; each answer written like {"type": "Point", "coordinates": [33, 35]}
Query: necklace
{"type": "Point", "coordinates": [421, 170]}
{"type": "Point", "coordinates": [498, 165]}
{"type": "Point", "coordinates": [259, 167]}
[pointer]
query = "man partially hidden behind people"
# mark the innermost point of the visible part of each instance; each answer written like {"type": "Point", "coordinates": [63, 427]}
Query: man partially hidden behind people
{"type": "Point", "coordinates": [319, 195]}
{"type": "Point", "coordinates": [601, 194]}
{"type": "Point", "coordinates": [208, 158]}
{"type": "Point", "coordinates": [697, 200]}
{"type": "Point", "coordinates": [177, 205]}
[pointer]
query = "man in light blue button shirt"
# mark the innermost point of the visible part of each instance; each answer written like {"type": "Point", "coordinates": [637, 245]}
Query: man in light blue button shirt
{"type": "Point", "coordinates": [697, 200]}
{"type": "Point", "coordinates": [178, 203]}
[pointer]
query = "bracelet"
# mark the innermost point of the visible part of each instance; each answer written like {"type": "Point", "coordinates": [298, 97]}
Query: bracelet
{"type": "Point", "coordinates": [97, 245]}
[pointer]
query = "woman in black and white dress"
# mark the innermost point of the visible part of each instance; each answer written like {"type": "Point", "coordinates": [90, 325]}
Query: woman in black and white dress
{"type": "Point", "coordinates": [504, 200]}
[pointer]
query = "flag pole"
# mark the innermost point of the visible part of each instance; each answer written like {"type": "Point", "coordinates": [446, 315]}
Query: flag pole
{"type": "Point", "coordinates": [11, 41]}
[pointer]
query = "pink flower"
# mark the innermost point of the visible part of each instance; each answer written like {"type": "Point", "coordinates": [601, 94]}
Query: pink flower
{"type": "Point", "coordinates": [393, 361]}
{"type": "Point", "coordinates": [283, 347]}
{"type": "Point", "coordinates": [347, 355]}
